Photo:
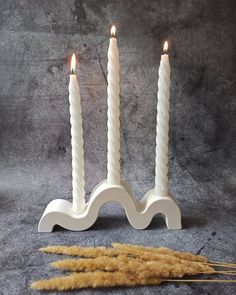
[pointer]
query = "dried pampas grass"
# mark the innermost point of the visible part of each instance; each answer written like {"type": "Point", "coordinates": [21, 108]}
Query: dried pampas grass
{"type": "Point", "coordinates": [141, 269]}
{"type": "Point", "coordinates": [92, 279]}
{"type": "Point", "coordinates": [139, 250]}
{"type": "Point", "coordinates": [127, 265]}
{"type": "Point", "coordinates": [82, 252]}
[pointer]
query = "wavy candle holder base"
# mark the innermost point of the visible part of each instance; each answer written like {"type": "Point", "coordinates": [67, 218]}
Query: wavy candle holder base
{"type": "Point", "coordinates": [139, 212]}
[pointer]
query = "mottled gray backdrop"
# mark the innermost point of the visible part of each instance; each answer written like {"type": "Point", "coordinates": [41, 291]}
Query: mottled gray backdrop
{"type": "Point", "coordinates": [36, 41]}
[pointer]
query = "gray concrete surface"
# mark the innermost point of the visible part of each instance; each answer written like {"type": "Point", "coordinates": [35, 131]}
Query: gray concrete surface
{"type": "Point", "coordinates": [36, 40]}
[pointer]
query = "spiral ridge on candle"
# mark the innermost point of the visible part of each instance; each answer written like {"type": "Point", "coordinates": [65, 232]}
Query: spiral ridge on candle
{"type": "Point", "coordinates": [113, 122]}
{"type": "Point", "coordinates": [78, 181]}
{"type": "Point", "coordinates": [162, 138]}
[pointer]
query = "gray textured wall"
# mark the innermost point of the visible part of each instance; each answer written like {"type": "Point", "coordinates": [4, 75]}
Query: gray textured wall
{"type": "Point", "coordinates": [36, 41]}
{"type": "Point", "coordinates": [37, 38]}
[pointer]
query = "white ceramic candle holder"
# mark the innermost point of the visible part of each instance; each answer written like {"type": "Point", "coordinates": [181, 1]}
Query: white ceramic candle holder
{"type": "Point", "coordinates": [139, 212]}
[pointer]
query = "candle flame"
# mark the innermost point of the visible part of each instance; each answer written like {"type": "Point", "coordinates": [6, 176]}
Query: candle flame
{"type": "Point", "coordinates": [165, 47]}
{"type": "Point", "coordinates": [73, 63]}
{"type": "Point", "coordinates": [113, 31]}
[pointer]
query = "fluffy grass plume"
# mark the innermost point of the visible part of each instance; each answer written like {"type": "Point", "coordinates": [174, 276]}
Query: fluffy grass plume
{"type": "Point", "coordinates": [139, 250]}
{"type": "Point", "coordinates": [92, 280]}
{"type": "Point", "coordinates": [127, 265]}
{"type": "Point", "coordinates": [121, 249]}
{"type": "Point", "coordinates": [141, 269]}
{"type": "Point", "coordinates": [81, 251]}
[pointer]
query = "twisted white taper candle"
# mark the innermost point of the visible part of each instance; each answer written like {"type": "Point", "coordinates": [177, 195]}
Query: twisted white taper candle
{"type": "Point", "coordinates": [162, 129]}
{"type": "Point", "coordinates": [113, 113]}
{"type": "Point", "coordinates": [78, 182]}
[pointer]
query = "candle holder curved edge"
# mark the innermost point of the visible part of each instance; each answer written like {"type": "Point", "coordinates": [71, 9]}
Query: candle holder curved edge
{"type": "Point", "coordinates": [139, 212]}
{"type": "Point", "coordinates": [166, 205]}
